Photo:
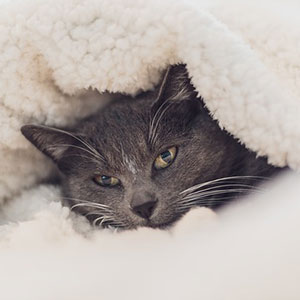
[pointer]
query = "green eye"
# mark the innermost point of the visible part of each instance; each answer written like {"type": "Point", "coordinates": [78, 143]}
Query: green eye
{"type": "Point", "coordinates": [164, 159]}
{"type": "Point", "coordinates": [106, 181]}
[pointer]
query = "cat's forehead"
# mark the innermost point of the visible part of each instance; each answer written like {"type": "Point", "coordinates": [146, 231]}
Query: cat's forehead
{"type": "Point", "coordinates": [123, 124]}
{"type": "Point", "coordinates": [130, 135]}
{"type": "Point", "coordinates": [120, 134]}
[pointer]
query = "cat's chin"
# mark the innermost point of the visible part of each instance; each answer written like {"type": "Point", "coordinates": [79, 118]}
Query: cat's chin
{"type": "Point", "coordinates": [165, 225]}
{"type": "Point", "coordinates": [161, 224]}
{"type": "Point", "coordinates": [194, 218]}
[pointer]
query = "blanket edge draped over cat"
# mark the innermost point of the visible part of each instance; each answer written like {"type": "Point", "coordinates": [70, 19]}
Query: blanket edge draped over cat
{"type": "Point", "coordinates": [51, 53]}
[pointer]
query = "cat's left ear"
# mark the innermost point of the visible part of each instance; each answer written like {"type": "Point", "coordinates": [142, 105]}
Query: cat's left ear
{"type": "Point", "coordinates": [175, 86]}
{"type": "Point", "coordinates": [51, 141]}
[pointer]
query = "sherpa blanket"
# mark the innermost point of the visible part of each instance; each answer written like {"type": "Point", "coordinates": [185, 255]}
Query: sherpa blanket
{"type": "Point", "coordinates": [58, 57]}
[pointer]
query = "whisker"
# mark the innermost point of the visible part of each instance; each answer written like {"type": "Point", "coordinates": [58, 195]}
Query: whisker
{"type": "Point", "coordinates": [104, 213]}
{"type": "Point", "coordinates": [204, 199]}
{"type": "Point", "coordinates": [216, 192]}
{"type": "Point", "coordinates": [71, 146]}
{"type": "Point", "coordinates": [92, 149]}
{"type": "Point", "coordinates": [198, 186]}
{"type": "Point", "coordinates": [102, 219]}
{"type": "Point", "coordinates": [205, 202]}
{"type": "Point", "coordinates": [217, 187]}
{"type": "Point", "coordinates": [95, 213]}
{"type": "Point", "coordinates": [202, 202]}
{"type": "Point", "coordinates": [93, 159]}
{"type": "Point", "coordinates": [90, 205]}
{"type": "Point", "coordinates": [82, 200]}
{"type": "Point", "coordinates": [154, 136]}
{"type": "Point", "coordinates": [152, 122]}
{"type": "Point", "coordinates": [108, 221]}
{"type": "Point", "coordinates": [224, 189]}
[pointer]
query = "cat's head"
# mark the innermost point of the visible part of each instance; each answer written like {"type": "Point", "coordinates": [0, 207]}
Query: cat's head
{"type": "Point", "coordinates": [136, 162]}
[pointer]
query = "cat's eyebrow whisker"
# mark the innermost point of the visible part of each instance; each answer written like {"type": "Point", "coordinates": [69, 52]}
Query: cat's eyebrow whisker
{"type": "Point", "coordinates": [92, 159]}
{"type": "Point", "coordinates": [154, 132]}
{"type": "Point", "coordinates": [54, 146]}
{"type": "Point", "coordinates": [70, 145]}
{"type": "Point", "coordinates": [92, 149]}
{"type": "Point", "coordinates": [198, 186]}
{"type": "Point", "coordinates": [152, 121]}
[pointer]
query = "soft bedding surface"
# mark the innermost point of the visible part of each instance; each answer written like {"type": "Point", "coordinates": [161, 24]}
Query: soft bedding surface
{"type": "Point", "coordinates": [57, 58]}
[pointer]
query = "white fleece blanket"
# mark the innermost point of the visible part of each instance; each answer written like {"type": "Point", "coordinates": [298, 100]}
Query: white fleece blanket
{"type": "Point", "coordinates": [244, 60]}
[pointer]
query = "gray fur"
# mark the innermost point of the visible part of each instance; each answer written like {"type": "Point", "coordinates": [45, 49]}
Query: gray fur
{"type": "Point", "coordinates": [123, 140]}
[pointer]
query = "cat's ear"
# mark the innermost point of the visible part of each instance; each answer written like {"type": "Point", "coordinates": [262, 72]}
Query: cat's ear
{"type": "Point", "coordinates": [175, 86]}
{"type": "Point", "coordinates": [51, 141]}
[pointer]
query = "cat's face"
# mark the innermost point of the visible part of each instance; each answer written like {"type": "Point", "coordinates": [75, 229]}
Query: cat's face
{"type": "Point", "coordinates": [137, 161]}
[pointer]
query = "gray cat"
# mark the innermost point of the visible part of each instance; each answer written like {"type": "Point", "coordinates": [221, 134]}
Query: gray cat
{"type": "Point", "coordinates": [147, 160]}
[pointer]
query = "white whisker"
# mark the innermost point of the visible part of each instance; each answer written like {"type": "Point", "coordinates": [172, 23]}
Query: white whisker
{"type": "Point", "coordinates": [90, 206]}
{"type": "Point", "coordinates": [92, 149]}
{"type": "Point", "coordinates": [218, 187]}
{"type": "Point", "coordinates": [213, 193]}
{"type": "Point", "coordinates": [74, 146]}
{"type": "Point", "coordinates": [217, 191]}
{"type": "Point", "coordinates": [198, 186]}
{"type": "Point", "coordinates": [202, 202]}
{"type": "Point", "coordinates": [159, 117]}
{"type": "Point", "coordinates": [84, 201]}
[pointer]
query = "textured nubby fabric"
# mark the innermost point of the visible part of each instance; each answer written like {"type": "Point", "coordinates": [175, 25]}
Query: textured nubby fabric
{"type": "Point", "coordinates": [244, 60]}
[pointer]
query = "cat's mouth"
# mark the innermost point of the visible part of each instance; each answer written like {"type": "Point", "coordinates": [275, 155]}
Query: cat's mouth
{"type": "Point", "coordinates": [165, 225]}
{"type": "Point", "coordinates": [160, 223]}
{"type": "Point", "coordinates": [150, 223]}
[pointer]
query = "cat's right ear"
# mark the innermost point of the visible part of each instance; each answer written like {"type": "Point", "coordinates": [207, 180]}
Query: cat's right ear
{"type": "Point", "coordinates": [51, 141]}
{"type": "Point", "coordinates": [175, 86]}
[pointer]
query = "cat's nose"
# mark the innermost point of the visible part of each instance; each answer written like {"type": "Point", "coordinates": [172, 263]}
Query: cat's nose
{"type": "Point", "coordinates": [143, 205]}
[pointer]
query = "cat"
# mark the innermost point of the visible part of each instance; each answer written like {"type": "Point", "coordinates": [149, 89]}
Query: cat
{"type": "Point", "coordinates": [145, 161]}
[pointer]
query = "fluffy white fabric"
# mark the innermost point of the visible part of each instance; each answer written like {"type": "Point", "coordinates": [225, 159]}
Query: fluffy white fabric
{"type": "Point", "coordinates": [248, 252]}
{"type": "Point", "coordinates": [244, 60]}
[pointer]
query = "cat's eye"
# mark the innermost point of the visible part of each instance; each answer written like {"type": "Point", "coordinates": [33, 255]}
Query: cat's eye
{"type": "Point", "coordinates": [164, 159]}
{"type": "Point", "coordinates": [106, 181]}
